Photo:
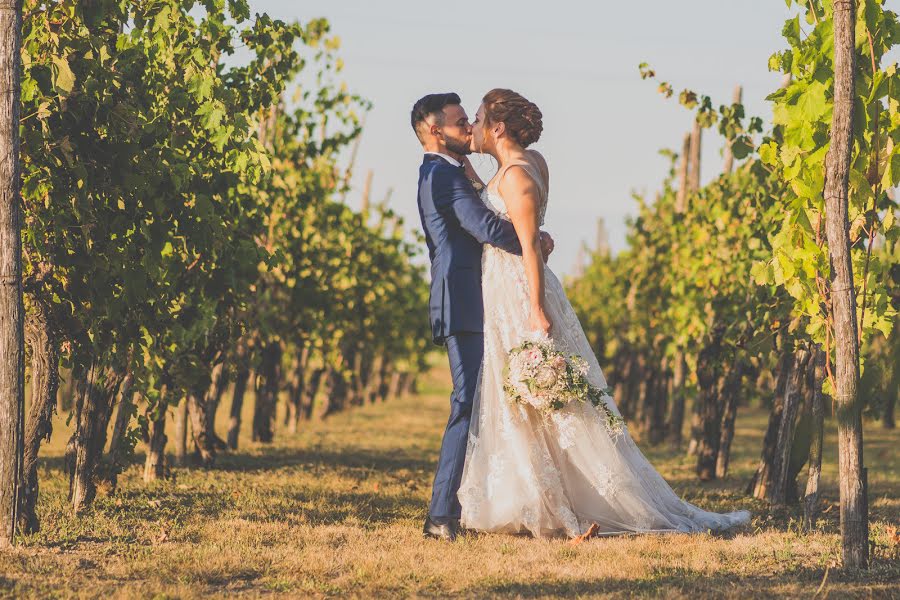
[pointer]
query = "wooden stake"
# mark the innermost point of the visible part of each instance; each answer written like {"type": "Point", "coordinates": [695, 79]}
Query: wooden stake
{"type": "Point", "coordinates": [694, 174]}
{"type": "Point", "coordinates": [854, 525]}
{"type": "Point", "coordinates": [366, 194]}
{"type": "Point", "coordinates": [729, 157]}
{"type": "Point", "coordinates": [602, 246]}
{"type": "Point", "coordinates": [681, 198]}
{"type": "Point", "coordinates": [12, 312]}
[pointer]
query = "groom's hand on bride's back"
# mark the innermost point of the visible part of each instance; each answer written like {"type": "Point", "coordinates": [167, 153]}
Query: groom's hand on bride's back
{"type": "Point", "coordinates": [547, 245]}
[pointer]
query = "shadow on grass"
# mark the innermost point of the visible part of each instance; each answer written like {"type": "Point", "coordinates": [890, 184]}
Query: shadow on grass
{"type": "Point", "coordinates": [271, 458]}
{"type": "Point", "coordinates": [52, 463]}
{"type": "Point", "coordinates": [691, 583]}
{"type": "Point", "coordinates": [358, 507]}
{"type": "Point", "coordinates": [352, 458]}
{"type": "Point", "coordinates": [309, 506]}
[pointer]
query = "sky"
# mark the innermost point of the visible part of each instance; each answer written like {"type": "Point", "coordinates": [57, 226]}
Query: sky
{"type": "Point", "coordinates": [578, 61]}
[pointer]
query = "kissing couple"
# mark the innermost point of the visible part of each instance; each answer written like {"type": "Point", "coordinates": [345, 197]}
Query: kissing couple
{"type": "Point", "coordinates": [505, 466]}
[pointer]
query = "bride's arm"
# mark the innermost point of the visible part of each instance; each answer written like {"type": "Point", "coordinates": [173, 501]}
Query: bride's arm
{"type": "Point", "coordinates": [522, 198]}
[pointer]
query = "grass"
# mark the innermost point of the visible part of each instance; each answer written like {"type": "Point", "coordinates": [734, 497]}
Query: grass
{"type": "Point", "coordinates": [336, 511]}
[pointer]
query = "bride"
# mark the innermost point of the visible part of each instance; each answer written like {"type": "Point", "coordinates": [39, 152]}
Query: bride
{"type": "Point", "coordinates": [524, 472]}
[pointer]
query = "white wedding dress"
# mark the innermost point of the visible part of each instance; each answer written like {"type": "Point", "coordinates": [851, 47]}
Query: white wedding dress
{"type": "Point", "coordinates": [555, 476]}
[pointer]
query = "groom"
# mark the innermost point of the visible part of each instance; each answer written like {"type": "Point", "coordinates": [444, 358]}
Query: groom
{"type": "Point", "coordinates": [456, 224]}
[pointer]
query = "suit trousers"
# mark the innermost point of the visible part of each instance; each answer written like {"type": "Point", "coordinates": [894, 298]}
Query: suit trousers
{"type": "Point", "coordinates": [465, 351]}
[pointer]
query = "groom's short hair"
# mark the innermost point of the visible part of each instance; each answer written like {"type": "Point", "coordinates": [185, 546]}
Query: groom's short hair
{"type": "Point", "coordinates": [432, 104]}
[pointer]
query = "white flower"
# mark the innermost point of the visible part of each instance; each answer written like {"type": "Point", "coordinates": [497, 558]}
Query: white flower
{"type": "Point", "coordinates": [546, 377]}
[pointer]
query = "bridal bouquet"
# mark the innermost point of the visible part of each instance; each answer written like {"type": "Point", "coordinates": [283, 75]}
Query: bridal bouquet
{"type": "Point", "coordinates": [540, 376]}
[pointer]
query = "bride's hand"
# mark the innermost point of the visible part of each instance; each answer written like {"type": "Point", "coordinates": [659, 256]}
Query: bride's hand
{"type": "Point", "coordinates": [539, 322]}
{"type": "Point", "coordinates": [547, 245]}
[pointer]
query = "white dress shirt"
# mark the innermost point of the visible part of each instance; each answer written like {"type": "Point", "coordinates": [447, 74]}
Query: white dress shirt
{"type": "Point", "coordinates": [449, 159]}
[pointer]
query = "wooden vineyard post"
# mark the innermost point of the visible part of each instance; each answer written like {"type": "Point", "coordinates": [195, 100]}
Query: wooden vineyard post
{"type": "Point", "coordinates": [694, 173]}
{"type": "Point", "coordinates": [683, 168]}
{"type": "Point", "coordinates": [728, 165]}
{"type": "Point", "coordinates": [12, 340]}
{"type": "Point", "coordinates": [854, 522]}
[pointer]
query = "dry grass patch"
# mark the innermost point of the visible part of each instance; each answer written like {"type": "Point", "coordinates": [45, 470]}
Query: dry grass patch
{"type": "Point", "coordinates": [336, 510]}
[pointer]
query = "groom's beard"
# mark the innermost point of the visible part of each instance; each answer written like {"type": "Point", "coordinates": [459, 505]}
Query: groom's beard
{"type": "Point", "coordinates": [459, 147]}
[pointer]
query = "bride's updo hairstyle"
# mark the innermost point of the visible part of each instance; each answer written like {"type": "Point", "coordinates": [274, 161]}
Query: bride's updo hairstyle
{"type": "Point", "coordinates": [521, 117]}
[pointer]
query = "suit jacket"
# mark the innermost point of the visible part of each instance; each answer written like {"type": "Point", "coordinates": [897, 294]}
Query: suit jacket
{"type": "Point", "coordinates": [456, 224]}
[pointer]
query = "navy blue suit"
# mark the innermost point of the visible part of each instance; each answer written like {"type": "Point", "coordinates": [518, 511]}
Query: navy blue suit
{"type": "Point", "coordinates": [456, 224]}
